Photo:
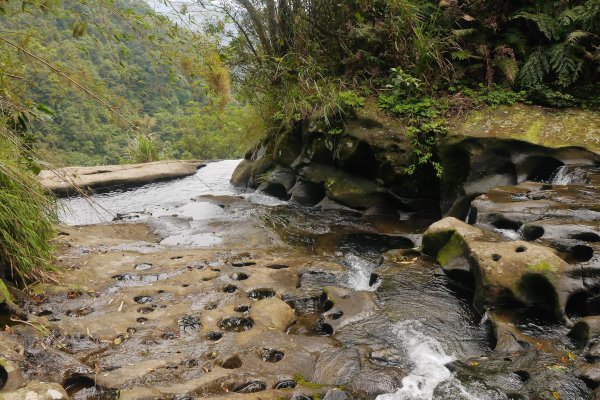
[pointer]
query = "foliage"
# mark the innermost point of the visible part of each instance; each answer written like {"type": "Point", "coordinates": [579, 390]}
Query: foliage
{"type": "Point", "coordinates": [143, 149]}
{"type": "Point", "coordinates": [26, 216]}
{"type": "Point", "coordinates": [141, 70]}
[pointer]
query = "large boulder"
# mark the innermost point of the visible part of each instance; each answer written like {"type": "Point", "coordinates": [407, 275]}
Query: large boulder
{"type": "Point", "coordinates": [505, 272]}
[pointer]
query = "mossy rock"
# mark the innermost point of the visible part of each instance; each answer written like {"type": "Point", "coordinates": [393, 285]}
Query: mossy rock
{"type": "Point", "coordinates": [537, 125]}
{"type": "Point", "coordinates": [505, 272]}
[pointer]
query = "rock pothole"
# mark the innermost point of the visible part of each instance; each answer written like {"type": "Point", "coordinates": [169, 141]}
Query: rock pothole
{"type": "Point", "coordinates": [236, 324]}
{"type": "Point", "coordinates": [260, 294]}
{"type": "Point", "coordinates": [250, 387]}
{"type": "Point", "coordinates": [239, 276]}
{"type": "Point", "coordinates": [232, 362]}
{"type": "Point", "coordinates": [272, 356]}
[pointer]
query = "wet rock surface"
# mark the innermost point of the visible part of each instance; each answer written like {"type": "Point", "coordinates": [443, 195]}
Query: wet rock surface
{"type": "Point", "coordinates": [299, 303]}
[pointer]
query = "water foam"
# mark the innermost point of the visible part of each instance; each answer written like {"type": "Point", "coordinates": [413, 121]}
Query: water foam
{"type": "Point", "coordinates": [429, 363]}
{"type": "Point", "coordinates": [359, 272]}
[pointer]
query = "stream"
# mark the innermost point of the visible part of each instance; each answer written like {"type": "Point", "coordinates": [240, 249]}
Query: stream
{"type": "Point", "coordinates": [424, 321]}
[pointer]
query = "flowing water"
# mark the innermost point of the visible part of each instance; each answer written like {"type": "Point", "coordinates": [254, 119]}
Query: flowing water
{"type": "Point", "coordinates": [425, 320]}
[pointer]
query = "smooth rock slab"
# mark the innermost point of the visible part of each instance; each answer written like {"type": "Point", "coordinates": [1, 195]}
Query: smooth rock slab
{"type": "Point", "coordinates": [68, 181]}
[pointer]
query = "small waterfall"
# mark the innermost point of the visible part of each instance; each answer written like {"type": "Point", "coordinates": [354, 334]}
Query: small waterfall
{"type": "Point", "coordinates": [570, 175]}
{"type": "Point", "coordinates": [360, 273]}
{"type": "Point", "coordinates": [429, 371]}
{"type": "Point", "coordinates": [429, 360]}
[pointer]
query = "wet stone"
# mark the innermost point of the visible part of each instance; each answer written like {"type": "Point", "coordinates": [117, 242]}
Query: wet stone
{"type": "Point", "coordinates": [236, 324]}
{"type": "Point", "coordinates": [141, 320]}
{"type": "Point", "coordinates": [241, 308]}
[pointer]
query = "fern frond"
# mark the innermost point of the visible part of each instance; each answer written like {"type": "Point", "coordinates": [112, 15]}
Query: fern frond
{"type": "Point", "coordinates": [572, 15]}
{"type": "Point", "coordinates": [566, 65]}
{"type": "Point", "coordinates": [535, 69]}
{"type": "Point", "coordinates": [545, 23]}
{"type": "Point", "coordinates": [576, 36]}
{"type": "Point", "coordinates": [517, 40]}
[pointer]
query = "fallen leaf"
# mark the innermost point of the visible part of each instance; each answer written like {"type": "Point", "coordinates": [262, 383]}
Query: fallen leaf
{"type": "Point", "coordinates": [556, 395]}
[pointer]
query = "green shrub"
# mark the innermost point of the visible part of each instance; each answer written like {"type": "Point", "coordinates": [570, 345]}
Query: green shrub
{"type": "Point", "coordinates": [143, 148]}
{"type": "Point", "coordinates": [27, 217]}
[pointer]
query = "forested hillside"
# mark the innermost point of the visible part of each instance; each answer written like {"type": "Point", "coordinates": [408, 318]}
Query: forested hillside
{"type": "Point", "coordinates": [139, 64]}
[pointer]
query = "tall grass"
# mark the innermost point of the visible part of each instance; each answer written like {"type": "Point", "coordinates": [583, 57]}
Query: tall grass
{"type": "Point", "coordinates": [27, 216]}
{"type": "Point", "coordinates": [143, 148]}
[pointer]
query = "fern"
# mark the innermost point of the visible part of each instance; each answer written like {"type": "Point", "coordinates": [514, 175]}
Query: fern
{"type": "Point", "coordinates": [535, 69]}
{"type": "Point", "coordinates": [565, 64]}
{"type": "Point", "coordinates": [545, 23]}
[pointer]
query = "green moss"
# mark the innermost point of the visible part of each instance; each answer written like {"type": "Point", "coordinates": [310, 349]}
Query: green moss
{"type": "Point", "coordinates": [303, 382]}
{"type": "Point", "coordinates": [534, 131]}
{"type": "Point", "coordinates": [5, 296]}
{"type": "Point", "coordinates": [543, 267]}
{"type": "Point", "coordinates": [452, 250]}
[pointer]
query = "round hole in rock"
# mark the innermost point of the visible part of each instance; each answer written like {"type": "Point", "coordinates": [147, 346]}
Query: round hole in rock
{"type": "Point", "coordinates": [239, 276]}
{"type": "Point", "coordinates": [169, 335]}
{"type": "Point", "coordinates": [323, 329]}
{"type": "Point", "coordinates": [229, 289]}
{"type": "Point", "coordinates": [3, 377]}
{"type": "Point", "coordinates": [496, 257]}
{"type": "Point", "coordinates": [540, 168]}
{"type": "Point", "coordinates": [277, 266]}
{"type": "Point", "coordinates": [577, 304]}
{"type": "Point", "coordinates": [210, 306]}
{"type": "Point", "coordinates": [73, 294]}
{"type": "Point", "coordinates": [581, 253]}
{"type": "Point", "coordinates": [232, 363]}
{"type": "Point", "coordinates": [538, 291]}
{"type": "Point", "coordinates": [241, 308]}
{"type": "Point", "coordinates": [243, 263]}
{"type": "Point", "coordinates": [145, 310]}
{"type": "Point", "coordinates": [272, 356]}
{"type": "Point", "coordinates": [590, 237]}
{"type": "Point", "coordinates": [142, 299]}
{"type": "Point", "coordinates": [336, 315]}
{"type": "Point", "coordinates": [160, 291]}
{"type": "Point", "coordinates": [236, 324]}
{"type": "Point", "coordinates": [214, 336]}
{"type": "Point", "coordinates": [75, 383]}
{"type": "Point", "coordinates": [523, 375]}
{"type": "Point", "coordinates": [131, 331]}
{"type": "Point", "coordinates": [143, 267]}
{"type": "Point", "coordinates": [501, 222]}
{"type": "Point", "coordinates": [532, 232]}
{"type": "Point", "coordinates": [286, 384]}
{"type": "Point", "coordinates": [185, 285]}
{"type": "Point", "coordinates": [327, 305]}
{"type": "Point", "coordinates": [141, 320]}
{"type": "Point", "coordinates": [259, 294]}
{"type": "Point", "coordinates": [521, 249]}
{"type": "Point", "coordinates": [300, 396]}
{"type": "Point", "coordinates": [250, 387]}
{"type": "Point", "coordinates": [124, 277]}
